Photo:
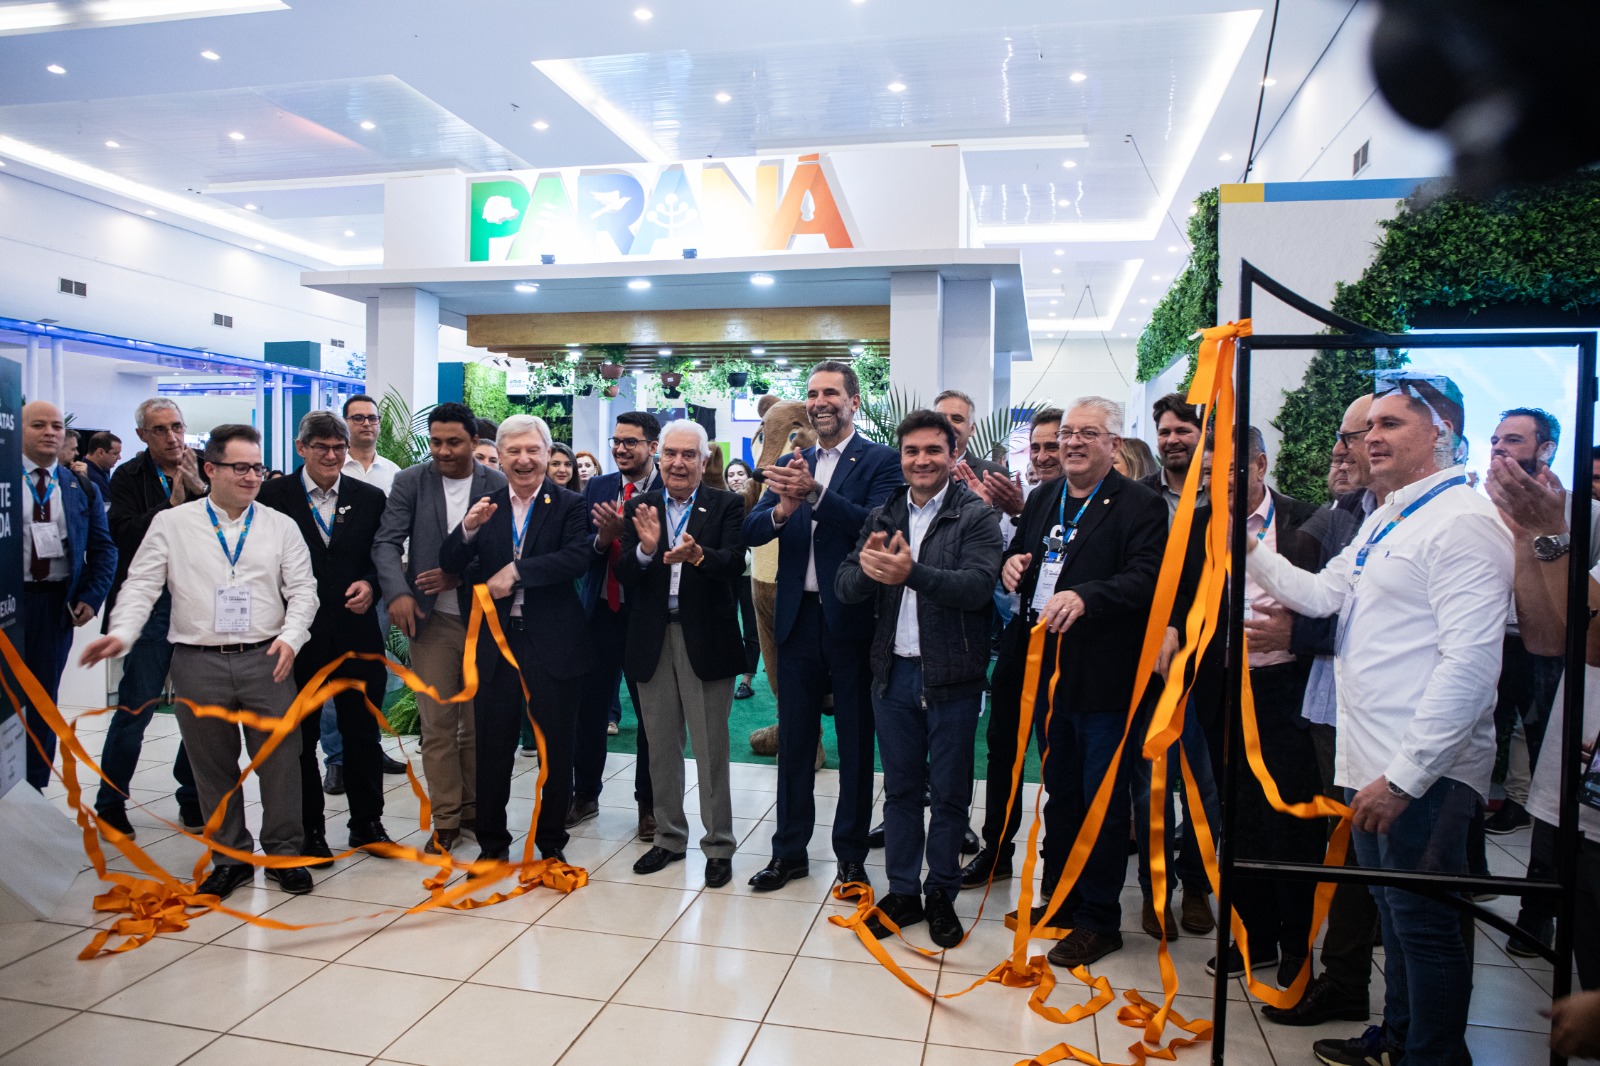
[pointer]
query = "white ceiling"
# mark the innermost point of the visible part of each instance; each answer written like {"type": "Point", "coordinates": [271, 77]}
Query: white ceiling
{"type": "Point", "coordinates": [1169, 87]}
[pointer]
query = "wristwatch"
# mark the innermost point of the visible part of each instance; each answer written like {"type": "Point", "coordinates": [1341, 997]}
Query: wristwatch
{"type": "Point", "coordinates": [1396, 790]}
{"type": "Point", "coordinates": [1549, 548]}
{"type": "Point", "coordinates": [813, 496]}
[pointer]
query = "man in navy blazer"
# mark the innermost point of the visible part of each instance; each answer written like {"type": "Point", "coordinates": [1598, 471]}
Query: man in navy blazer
{"type": "Point", "coordinates": [817, 502]}
{"type": "Point", "coordinates": [529, 542]}
{"type": "Point", "coordinates": [68, 560]}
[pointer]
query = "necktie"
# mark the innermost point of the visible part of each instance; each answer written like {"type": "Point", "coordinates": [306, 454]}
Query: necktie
{"type": "Point", "coordinates": [613, 588]}
{"type": "Point", "coordinates": [40, 570]}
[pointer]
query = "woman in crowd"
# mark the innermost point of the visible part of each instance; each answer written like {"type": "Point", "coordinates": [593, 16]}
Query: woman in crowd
{"type": "Point", "coordinates": [486, 453]}
{"type": "Point", "coordinates": [1134, 459]}
{"type": "Point", "coordinates": [588, 467]}
{"type": "Point", "coordinates": [736, 475]}
{"type": "Point", "coordinates": [563, 466]}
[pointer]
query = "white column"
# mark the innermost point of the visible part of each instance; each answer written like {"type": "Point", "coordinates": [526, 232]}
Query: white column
{"type": "Point", "coordinates": [58, 374]}
{"type": "Point", "coordinates": [967, 357]}
{"type": "Point", "coordinates": [406, 357]}
{"type": "Point", "coordinates": [915, 336]}
{"type": "Point", "coordinates": [1002, 381]}
{"type": "Point", "coordinates": [30, 369]}
{"type": "Point", "coordinates": [589, 426]}
{"type": "Point", "coordinates": [258, 417]}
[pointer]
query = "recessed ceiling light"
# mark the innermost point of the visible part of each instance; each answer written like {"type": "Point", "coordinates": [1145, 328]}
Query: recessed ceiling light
{"type": "Point", "coordinates": [1069, 163]}
{"type": "Point", "coordinates": [1155, 277]}
{"type": "Point", "coordinates": [663, 351]}
{"type": "Point", "coordinates": [152, 214]}
{"type": "Point", "coordinates": [1052, 314]}
{"type": "Point", "coordinates": [1269, 82]}
{"type": "Point", "coordinates": [528, 286]}
{"type": "Point", "coordinates": [643, 14]}
{"type": "Point", "coordinates": [1077, 76]}
{"type": "Point", "coordinates": [1133, 320]}
{"type": "Point", "coordinates": [1172, 247]}
{"type": "Point", "coordinates": [1143, 300]}
{"type": "Point", "coordinates": [251, 207]}
{"type": "Point", "coordinates": [349, 233]}
{"type": "Point", "coordinates": [1049, 336]}
{"type": "Point", "coordinates": [1225, 157]}
{"type": "Point", "coordinates": [1061, 251]}
{"type": "Point", "coordinates": [209, 54]}
{"type": "Point", "coordinates": [1063, 203]}
{"type": "Point", "coordinates": [761, 279]}
{"type": "Point", "coordinates": [639, 284]}
{"type": "Point", "coordinates": [369, 125]}
{"type": "Point", "coordinates": [541, 125]}
{"type": "Point", "coordinates": [758, 351]}
{"type": "Point", "coordinates": [1122, 334]}
{"type": "Point", "coordinates": [780, 360]}
{"type": "Point", "coordinates": [56, 68]}
{"type": "Point", "coordinates": [1055, 270]}
{"type": "Point", "coordinates": [897, 86]}
{"type": "Point", "coordinates": [723, 98]}
{"type": "Point", "coordinates": [858, 349]}
{"type": "Point", "coordinates": [235, 136]}
{"type": "Point", "coordinates": [113, 144]}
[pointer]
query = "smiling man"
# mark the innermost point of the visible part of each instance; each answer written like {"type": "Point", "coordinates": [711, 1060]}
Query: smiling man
{"type": "Point", "coordinates": [1178, 433]}
{"type": "Point", "coordinates": [1422, 595]}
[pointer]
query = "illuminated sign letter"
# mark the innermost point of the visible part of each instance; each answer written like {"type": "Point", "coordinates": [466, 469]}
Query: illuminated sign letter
{"type": "Point", "coordinates": [548, 225]}
{"type": "Point", "coordinates": [609, 202]}
{"type": "Point", "coordinates": [497, 209]}
{"type": "Point", "coordinates": [808, 207]}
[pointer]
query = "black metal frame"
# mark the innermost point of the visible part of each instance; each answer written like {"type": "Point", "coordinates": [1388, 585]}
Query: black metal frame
{"type": "Point", "coordinates": [1353, 335]}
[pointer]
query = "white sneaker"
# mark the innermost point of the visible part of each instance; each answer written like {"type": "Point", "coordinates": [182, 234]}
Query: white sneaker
{"type": "Point", "coordinates": [611, 729]}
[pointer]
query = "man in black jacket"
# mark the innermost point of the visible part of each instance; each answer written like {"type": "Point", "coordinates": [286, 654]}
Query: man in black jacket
{"type": "Point", "coordinates": [929, 557]}
{"type": "Point", "coordinates": [682, 552]}
{"type": "Point", "coordinates": [338, 518]}
{"type": "Point", "coordinates": [164, 475]}
{"type": "Point", "coordinates": [529, 541]}
{"type": "Point", "coordinates": [1085, 560]}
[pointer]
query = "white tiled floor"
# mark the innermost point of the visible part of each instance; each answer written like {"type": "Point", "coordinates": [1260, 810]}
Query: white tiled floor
{"type": "Point", "coordinates": [625, 966]}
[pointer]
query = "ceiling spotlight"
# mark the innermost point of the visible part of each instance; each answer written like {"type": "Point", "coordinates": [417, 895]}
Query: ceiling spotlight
{"type": "Point", "coordinates": [251, 207]}
{"type": "Point", "coordinates": [56, 68]}
{"type": "Point", "coordinates": [1054, 302]}
{"type": "Point", "coordinates": [663, 351]}
{"type": "Point", "coordinates": [1133, 320]}
{"type": "Point", "coordinates": [349, 233]}
{"type": "Point", "coordinates": [528, 286]}
{"type": "Point", "coordinates": [758, 351]}
{"type": "Point", "coordinates": [1052, 314]}
{"type": "Point", "coordinates": [858, 349]}
{"type": "Point", "coordinates": [1269, 82]}
{"type": "Point", "coordinates": [1061, 251]}
{"type": "Point", "coordinates": [1055, 270]}
{"type": "Point", "coordinates": [1155, 277]}
{"type": "Point", "coordinates": [781, 361]}
{"type": "Point", "coordinates": [369, 125]}
{"type": "Point", "coordinates": [1069, 163]}
{"type": "Point", "coordinates": [1225, 157]}
{"type": "Point", "coordinates": [761, 279]}
{"type": "Point", "coordinates": [897, 86]}
{"type": "Point", "coordinates": [541, 125]}
{"type": "Point", "coordinates": [643, 14]}
{"type": "Point", "coordinates": [1063, 203]}
{"type": "Point", "coordinates": [261, 247]}
{"type": "Point", "coordinates": [113, 144]}
{"type": "Point", "coordinates": [639, 284]}
{"type": "Point", "coordinates": [1122, 334]}
{"type": "Point", "coordinates": [1048, 336]}
{"type": "Point", "coordinates": [723, 98]}
{"type": "Point", "coordinates": [209, 54]}
{"type": "Point", "coordinates": [1172, 247]}
{"type": "Point", "coordinates": [152, 214]}
{"type": "Point", "coordinates": [1143, 300]}
{"type": "Point", "coordinates": [235, 136]}
{"type": "Point", "coordinates": [1077, 76]}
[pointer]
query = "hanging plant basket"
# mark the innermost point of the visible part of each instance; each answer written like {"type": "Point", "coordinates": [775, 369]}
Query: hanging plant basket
{"type": "Point", "coordinates": [611, 391]}
{"type": "Point", "coordinates": [738, 379]}
{"type": "Point", "coordinates": [611, 371]}
{"type": "Point", "coordinates": [586, 389]}
{"type": "Point", "coordinates": [672, 394]}
{"type": "Point", "coordinates": [670, 380]}
{"type": "Point", "coordinates": [760, 388]}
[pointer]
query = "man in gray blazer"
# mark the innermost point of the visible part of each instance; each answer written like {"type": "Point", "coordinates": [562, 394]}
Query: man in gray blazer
{"type": "Point", "coordinates": [431, 607]}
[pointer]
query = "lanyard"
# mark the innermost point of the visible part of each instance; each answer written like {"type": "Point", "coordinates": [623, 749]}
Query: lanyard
{"type": "Point", "coordinates": [238, 549]}
{"type": "Point", "coordinates": [1415, 506]}
{"type": "Point", "coordinates": [327, 529]}
{"type": "Point", "coordinates": [683, 519]}
{"type": "Point", "coordinates": [166, 482]}
{"type": "Point", "coordinates": [1061, 513]}
{"type": "Point", "coordinates": [1272, 506]}
{"type": "Point", "coordinates": [50, 489]}
{"type": "Point", "coordinates": [518, 535]}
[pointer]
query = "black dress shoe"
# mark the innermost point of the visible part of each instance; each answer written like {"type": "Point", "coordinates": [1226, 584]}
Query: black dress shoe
{"type": "Point", "coordinates": [225, 878]}
{"type": "Point", "coordinates": [316, 846]}
{"type": "Point", "coordinates": [901, 909]}
{"type": "Point", "coordinates": [117, 818]}
{"type": "Point", "coordinates": [744, 691]}
{"type": "Point", "coordinates": [557, 854]}
{"type": "Point", "coordinates": [655, 860]}
{"type": "Point", "coordinates": [718, 872]}
{"type": "Point", "coordinates": [875, 836]}
{"type": "Point", "coordinates": [943, 924]}
{"type": "Point", "coordinates": [1322, 1002]}
{"type": "Point", "coordinates": [975, 874]}
{"type": "Point", "coordinates": [295, 880]}
{"type": "Point", "coordinates": [970, 842]}
{"type": "Point", "coordinates": [582, 810]}
{"type": "Point", "coordinates": [777, 873]}
{"type": "Point", "coordinates": [391, 765]}
{"type": "Point", "coordinates": [852, 872]}
{"type": "Point", "coordinates": [494, 855]}
{"type": "Point", "coordinates": [364, 833]}
{"type": "Point", "coordinates": [1259, 959]}
{"type": "Point", "coordinates": [1037, 920]}
{"type": "Point", "coordinates": [333, 780]}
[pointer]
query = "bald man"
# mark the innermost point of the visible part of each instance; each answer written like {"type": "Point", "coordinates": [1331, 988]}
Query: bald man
{"type": "Point", "coordinates": [68, 560]}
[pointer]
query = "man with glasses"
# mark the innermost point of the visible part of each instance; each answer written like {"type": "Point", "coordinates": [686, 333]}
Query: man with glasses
{"type": "Point", "coordinates": [243, 600]}
{"type": "Point", "coordinates": [605, 602]}
{"type": "Point", "coordinates": [164, 475]}
{"type": "Point", "coordinates": [364, 462]}
{"type": "Point", "coordinates": [338, 518]}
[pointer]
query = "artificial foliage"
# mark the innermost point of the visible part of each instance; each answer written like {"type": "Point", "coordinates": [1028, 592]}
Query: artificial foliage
{"type": "Point", "coordinates": [1533, 246]}
{"type": "Point", "coordinates": [1190, 304]}
{"type": "Point", "coordinates": [483, 389]}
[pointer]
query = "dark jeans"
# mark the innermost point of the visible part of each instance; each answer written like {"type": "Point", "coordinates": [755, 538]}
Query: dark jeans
{"type": "Point", "coordinates": [1079, 755]}
{"type": "Point", "coordinates": [806, 663]}
{"type": "Point", "coordinates": [500, 710]}
{"type": "Point", "coordinates": [1005, 709]}
{"type": "Point", "coordinates": [1190, 863]}
{"type": "Point", "coordinates": [1427, 962]}
{"type": "Point", "coordinates": [1278, 912]}
{"type": "Point", "coordinates": [46, 643]}
{"type": "Point", "coordinates": [362, 751]}
{"type": "Point", "coordinates": [926, 747]}
{"type": "Point", "coordinates": [607, 637]}
{"type": "Point", "coordinates": [1527, 690]}
{"type": "Point", "coordinates": [1353, 914]}
{"type": "Point", "coordinates": [144, 675]}
{"type": "Point", "coordinates": [747, 624]}
{"type": "Point", "coordinates": [1586, 926]}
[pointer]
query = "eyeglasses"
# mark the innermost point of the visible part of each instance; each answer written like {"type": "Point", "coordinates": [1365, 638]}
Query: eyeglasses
{"type": "Point", "coordinates": [358, 419]}
{"type": "Point", "coordinates": [174, 430]}
{"type": "Point", "coordinates": [628, 443]}
{"type": "Point", "coordinates": [1088, 436]}
{"type": "Point", "coordinates": [326, 449]}
{"type": "Point", "coordinates": [1354, 435]}
{"type": "Point", "coordinates": [242, 469]}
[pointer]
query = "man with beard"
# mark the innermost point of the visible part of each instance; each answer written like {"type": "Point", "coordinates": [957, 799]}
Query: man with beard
{"type": "Point", "coordinates": [1178, 432]}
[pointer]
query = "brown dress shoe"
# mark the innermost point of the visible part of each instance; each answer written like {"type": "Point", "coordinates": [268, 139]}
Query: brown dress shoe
{"type": "Point", "coordinates": [1149, 924]}
{"type": "Point", "coordinates": [647, 824]}
{"type": "Point", "coordinates": [1082, 947]}
{"type": "Point", "coordinates": [442, 841]}
{"type": "Point", "coordinates": [1197, 918]}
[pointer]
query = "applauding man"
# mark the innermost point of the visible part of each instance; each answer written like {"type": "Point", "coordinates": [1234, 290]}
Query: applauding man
{"type": "Point", "coordinates": [530, 542]}
{"type": "Point", "coordinates": [928, 559]}
{"type": "Point", "coordinates": [681, 555]}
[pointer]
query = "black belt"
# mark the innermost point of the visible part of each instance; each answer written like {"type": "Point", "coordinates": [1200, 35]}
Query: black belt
{"type": "Point", "coordinates": [672, 617]}
{"type": "Point", "coordinates": [811, 597]}
{"type": "Point", "coordinates": [44, 586]}
{"type": "Point", "coordinates": [516, 624]}
{"type": "Point", "coordinates": [230, 649]}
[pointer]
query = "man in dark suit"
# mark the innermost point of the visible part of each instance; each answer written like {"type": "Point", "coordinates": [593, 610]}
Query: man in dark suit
{"type": "Point", "coordinates": [1178, 433]}
{"type": "Point", "coordinates": [817, 502]}
{"type": "Point", "coordinates": [431, 606]}
{"type": "Point", "coordinates": [1085, 561]}
{"type": "Point", "coordinates": [67, 563]}
{"type": "Point", "coordinates": [682, 552]}
{"type": "Point", "coordinates": [605, 603]}
{"type": "Point", "coordinates": [101, 456]}
{"type": "Point", "coordinates": [338, 518]}
{"type": "Point", "coordinates": [167, 473]}
{"type": "Point", "coordinates": [529, 542]}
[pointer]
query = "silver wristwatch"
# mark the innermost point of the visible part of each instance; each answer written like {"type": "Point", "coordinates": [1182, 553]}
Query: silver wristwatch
{"type": "Point", "coordinates": [1549, 548]}
{"type": "Point", "coordinates": [1396, 790]}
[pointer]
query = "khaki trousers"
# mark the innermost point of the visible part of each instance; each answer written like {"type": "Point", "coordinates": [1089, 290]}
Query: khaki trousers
{"type": "Point", "coordinates": [449, 741]}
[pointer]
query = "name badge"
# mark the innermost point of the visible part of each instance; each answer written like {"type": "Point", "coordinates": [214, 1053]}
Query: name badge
{"type": "Point", "coordinates": [232, 609]}
{"type": "Point", "coordinates": [1049, 574]}
{"type": "Point", "coordinates": [46, 540]}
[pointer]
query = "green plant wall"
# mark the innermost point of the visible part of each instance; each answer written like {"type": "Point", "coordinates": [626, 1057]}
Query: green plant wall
{"type": "Point", "coordinates": [1191, 304]}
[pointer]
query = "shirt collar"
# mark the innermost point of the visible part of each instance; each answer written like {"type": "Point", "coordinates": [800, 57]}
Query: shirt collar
{"type": "Point", "coordinates": [1261, 510]}
{"type": "Point", "coordinates": [29, 466]}
{"type": "Point", "coordinates": [643, 484]}
{"type": "Point", "coordinates": [932, 506]}
{"type": "Point", "coordinates": [526, 501]}
{"type": "Point", "coordinates": [837, 449]}
{"type": "Point", "coordinates": [312, 487]}
{"type": "Point", "coordinates": [667, 496]}
{"type": "Point", "coordinates": [1403, 496]}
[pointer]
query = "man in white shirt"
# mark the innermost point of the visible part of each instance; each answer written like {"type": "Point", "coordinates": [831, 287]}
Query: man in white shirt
{"type": "Point", "coordinates": [243, 601]}
{"type": "Point", "coordinates": [1422, 594]}
{"type": "Point", "coordinates": [364, 462]}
